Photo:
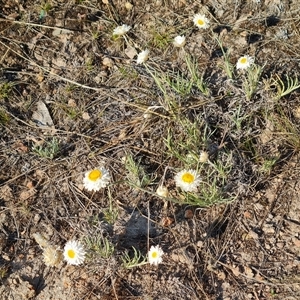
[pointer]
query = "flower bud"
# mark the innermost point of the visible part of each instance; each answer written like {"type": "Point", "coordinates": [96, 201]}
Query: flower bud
{"type": "Point", "coordinates": [162, 191]}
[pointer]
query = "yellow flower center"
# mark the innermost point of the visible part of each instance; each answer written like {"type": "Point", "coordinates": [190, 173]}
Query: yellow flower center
{"type": "Point", "coordinates": [243, 60]}
{"type": "Point", "coordinates": [154, 254]}
{"type": "Point", "coordinates": [188, 178]}
{"type": "Point", "coordinates": [200, 22]}
{"type": "Point", "coordinates": [71, 253]}
{"type": "Point", "coordinates": [94, 175]}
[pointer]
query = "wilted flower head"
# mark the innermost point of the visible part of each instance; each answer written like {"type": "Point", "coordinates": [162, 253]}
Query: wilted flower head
{"type": "Point", "coordinates": [201, 21]}
{"type": "Point", "coordinates": [187, 180]}
{"type": "Point", "coordinates": [179, 41]}
{"type": "Point", "coordinates": [96, 179]}
{"type": "Point", "coordinates": [121, 30]}
{"type": "Point", "coordinates": [74, 253]}
{"type": "Point", "coordinates": [147, 115]}
{"type": "Point", "coordinates": [162, 191]}
{"type": "Point", "coordinates": [142, 56]}
{"type": "Point", "coordinates": [203, 157]}
{"type": "Point", "coordinates": [155, 255]}
{"type": "Point", "coordinates": [52, 256]}
{"type": "Point", "coordinates": [244, 62]}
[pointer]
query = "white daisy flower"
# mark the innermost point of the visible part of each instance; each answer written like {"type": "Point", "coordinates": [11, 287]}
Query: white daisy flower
{"type": "Point", "coordinates": [201, 21]}
{"type": "Point", "coordinates": [74, 253]}
{"type": "Point", "coordinates": [142, 56]}
{"type": "Point", "coordinates": [155, 255]}
{"type": "Point", "coordinates": [179, 41]}
{"type": "Point", "coordinates": [244, 62]}
{"type": "Point", "coordinates": [121, 30]}
{"type": "Point", "coordinates": [96, 179]}
{"type": "Point", "coordinates": [162, 191]}
{"type": "Point", "coordinates": [188, 181]}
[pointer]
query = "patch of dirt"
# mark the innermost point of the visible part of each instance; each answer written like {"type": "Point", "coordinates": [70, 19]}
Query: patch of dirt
{"type": "Point", "coordinates": [73, 98]}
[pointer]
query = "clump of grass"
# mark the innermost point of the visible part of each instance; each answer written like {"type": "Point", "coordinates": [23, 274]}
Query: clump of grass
{"type": "Point", "coordinates": [186, 148]}
{"type": "Point", "coordinates": [136, 174]}
{"type": "Point", "coordinates": [3, 272]}
{"type": "Point", "coordinates": [137, 260]}
{"type": "Point", "coordinates": [210, 194]}
{"type": "Point", "coordinates": [250, 82]}
{"type": "Point", "coordinates": [111, 213]}
{"type": "Point", "coordinates": [72, 112]}
{"type": "Point", "coordinates": [45, 8]}
{"type": "Point", "coordinates": [49, 150]}
{"type": "Point", "coordinates": [160, 39]}
{"type": "Point", "coordinates": [175, 84]}
{"type": "Point", "coordinates": [195, 77]}
{"type": "Point", "coordinates": [4, 117]}
{"type": "Point", "coordinates": [238, 118]}
{"type": "Point", "coordinates": [228, 67]}
{"type": "Point", "coordinates": [286, 131]}
{"type": "Point", "coordinates": [267, 165]}
{"type": "Point", "coordinates": [99, 246]}
{"type": "Point", "coordinates": [214, 176]}
{"type": "Point", "coordinates": [283, 89]}
{"type": "Point", "coordinates": [5, 89]}
{"type": "Point", "coordinates": [128, 72]}
{"type": "Point", "coordinates": [89, 64]}
{"type": "Point", "coordinates": [179, 83]}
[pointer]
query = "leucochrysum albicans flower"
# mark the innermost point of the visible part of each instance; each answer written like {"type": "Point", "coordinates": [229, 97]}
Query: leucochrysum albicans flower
{"type": "Point", "coordinates": [155, 255]}
{"type": "Point", "coordinates": [201, 21]}
{"type": "Point", "coordinates": [51, 254]}
{"type": "Point", "coordinates": [96, 179]}
{"type": "Point", "coordinates": [142, 57]}
{"type": "Point", "coordinates": [121, 30]}
{"type": "Point", "coordinates": [187, 180]}
{"type": "Point", "coordinates": [179, 41]}
{"type": "Point", "coordinates": [74, 253]}
{"type": "Point", "coordinates": [244, 62]}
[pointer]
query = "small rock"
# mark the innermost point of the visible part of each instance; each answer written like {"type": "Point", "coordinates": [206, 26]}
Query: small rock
{"type": "Point", "coordinates": [85, 116]}
{"type": "Point", "coordinates": [221, 276]}
{"type": "Point", "coordinates": [296, 242]}
{"type": "Point", "coordinates": [130, 52]}
{"type": "Point", "coordinates": [188, 214]}
{"type": "Point", "coordinates": [128, 6]}
{"type": "Point", "coordinates": [236, 271]}
{"type": "Point", "coordinates": [108, 62]}
{"type": "Point", "coordinates": [248, 272]}
{"type": "Point", "coordinates": [199, 244]}
{"type": "Point", "coordinates": [269, 230]}
{"type": "Point", "coordinates": [280, 245]}
{"type": "Point", "coordinates": [253, 234]}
